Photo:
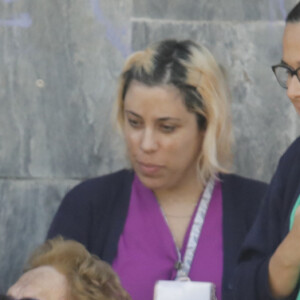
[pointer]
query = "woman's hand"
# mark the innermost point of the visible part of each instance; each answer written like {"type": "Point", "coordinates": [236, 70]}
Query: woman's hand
{"type": "Point", "coordinates": [284, 265]}
{"type": "Point", "coordinates": [42, 283]}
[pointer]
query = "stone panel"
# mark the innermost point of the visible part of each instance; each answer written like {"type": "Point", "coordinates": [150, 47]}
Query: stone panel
{"type": "Point", "coordinates": [59, 64]}
{"type": "Point", "coordinates": [264, 121]}
{"type": "Point", "coordinates": [27, 208]}
{"type": "Point", "coordinates": [229, 10]}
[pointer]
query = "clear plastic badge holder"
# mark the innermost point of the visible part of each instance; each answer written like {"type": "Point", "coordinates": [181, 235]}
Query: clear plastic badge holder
{"type": "Point", "coordinates": [184, 290]}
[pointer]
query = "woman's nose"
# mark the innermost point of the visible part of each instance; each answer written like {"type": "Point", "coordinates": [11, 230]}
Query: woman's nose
{"type": "Point", "coordinates": [148, 141]}
{"type": "Point", "coordinates": [293, 90]}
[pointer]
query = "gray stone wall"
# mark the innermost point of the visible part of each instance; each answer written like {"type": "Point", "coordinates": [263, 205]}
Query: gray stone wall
{"type": "Point", "coordinates": [59, 66]}
{"type": "Point", "coordinates": [60, 61]}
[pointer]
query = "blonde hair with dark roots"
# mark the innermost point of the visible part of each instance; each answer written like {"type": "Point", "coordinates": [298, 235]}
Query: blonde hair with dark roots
{"type": "Point", "coordinates": [89, 278]}
{"type": "Point", "coordinates": [192, 69]}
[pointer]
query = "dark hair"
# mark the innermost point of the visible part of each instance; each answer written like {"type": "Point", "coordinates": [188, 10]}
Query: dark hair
{"type": "Point", "coordinates": [6, 297]}
{"type": "Point", "coordinates": [294, 14]}
{"type": "Point", "coordinates": [167, 67]}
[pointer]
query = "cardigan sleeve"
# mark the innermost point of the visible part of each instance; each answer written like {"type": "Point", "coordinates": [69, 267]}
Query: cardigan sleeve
{"type": "Point", "coordinates": [241, 200]}
{"type": "Point", "coordinates": [94, 212]}
{"type": "Point", "coordinates": [73, 217]}
{"type": "Point", "coordinates": [268, 231]}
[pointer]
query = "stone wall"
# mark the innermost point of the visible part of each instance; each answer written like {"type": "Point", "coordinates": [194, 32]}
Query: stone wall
{"type": "Point", "coordinates": [59, 66]}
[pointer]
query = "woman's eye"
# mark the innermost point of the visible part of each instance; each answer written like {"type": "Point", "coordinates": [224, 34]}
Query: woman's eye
{"type": "Point", "coordinates": [168, 128]}
{"type": "Point", "coordinates": [134, 123]}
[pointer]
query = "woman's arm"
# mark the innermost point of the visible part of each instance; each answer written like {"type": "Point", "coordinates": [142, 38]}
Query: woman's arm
{"type": "Point", "coordinates": [269, 241]}
{"type": "Point", "coordinates": [284, 265]}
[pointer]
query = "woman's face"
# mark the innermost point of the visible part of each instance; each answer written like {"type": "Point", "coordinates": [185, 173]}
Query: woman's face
{"type": "Point", "coordinates": [291, 56]}
{"type": "Point", "coordinates": [162, 136]}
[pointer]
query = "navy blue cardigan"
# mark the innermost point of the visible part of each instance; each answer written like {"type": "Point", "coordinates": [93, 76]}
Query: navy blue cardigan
{"type": "Point", "coordinates": [270, 228]}
{"type": "Point", "coordinates": [95, 211]}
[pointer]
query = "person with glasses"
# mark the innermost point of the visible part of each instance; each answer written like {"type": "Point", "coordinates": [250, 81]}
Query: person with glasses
{"type": "Point", "coordinates": [285, 74]}
{"type": "Point", "coordinates": [269, 264]}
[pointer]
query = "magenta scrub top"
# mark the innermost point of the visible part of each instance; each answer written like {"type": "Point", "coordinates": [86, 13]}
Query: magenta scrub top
{"type": "Point", "coordinates": [147, 252]}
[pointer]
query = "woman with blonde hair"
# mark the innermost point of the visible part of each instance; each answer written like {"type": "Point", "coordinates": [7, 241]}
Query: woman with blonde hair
{"type": "Point", "coordinates": [178, 212]}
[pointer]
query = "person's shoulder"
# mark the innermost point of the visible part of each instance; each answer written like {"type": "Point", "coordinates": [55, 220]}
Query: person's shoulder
{"type": "Point", "coordinates": [241, 182]}
{"type": "Point", "coordinates": [243, 195]}
{"type": "Point", "coordinates": [289, 163]}
{"type": "Point", "coordinates": [293, 150]}
{"type": "Point", "coordinates": [114, 178]}
{"type": "Point", "coordinates": [99, 186]}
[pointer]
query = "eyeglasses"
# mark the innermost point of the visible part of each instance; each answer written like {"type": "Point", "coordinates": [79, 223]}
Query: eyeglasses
{"type": "Point", "coordinates": [284, 74]}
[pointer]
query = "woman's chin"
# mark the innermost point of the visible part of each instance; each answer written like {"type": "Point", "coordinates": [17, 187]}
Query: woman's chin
{"type": "Point", "coordinates": [152, 183]}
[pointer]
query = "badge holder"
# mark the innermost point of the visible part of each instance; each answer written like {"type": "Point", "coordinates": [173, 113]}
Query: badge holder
{"type": "Point", "coordinates": [184, 290]}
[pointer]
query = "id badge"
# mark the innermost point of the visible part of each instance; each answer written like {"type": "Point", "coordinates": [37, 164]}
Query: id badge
{"type": "Point", "coordinates": [183, 290]}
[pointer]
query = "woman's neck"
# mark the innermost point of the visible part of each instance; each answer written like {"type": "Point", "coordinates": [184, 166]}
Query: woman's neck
{"type": "Point", "coordinates": [187, 193]}
{"type": "Point", "coordinates": [178, 205]}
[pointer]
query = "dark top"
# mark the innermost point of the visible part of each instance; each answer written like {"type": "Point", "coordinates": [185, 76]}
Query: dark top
{"type": "Point", "coordinates": [270, 228]}
{"type": "Point", "coordinates": [94, 213]}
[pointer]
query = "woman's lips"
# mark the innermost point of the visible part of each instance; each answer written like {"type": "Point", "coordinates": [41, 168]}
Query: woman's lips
{"type": "Point", "coordinates": [149, 169]}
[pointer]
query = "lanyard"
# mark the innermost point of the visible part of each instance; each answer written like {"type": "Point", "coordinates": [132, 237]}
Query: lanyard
{"type": "Point", "coordinates": [185, 266]}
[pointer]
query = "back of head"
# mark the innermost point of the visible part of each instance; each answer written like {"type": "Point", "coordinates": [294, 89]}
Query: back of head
{"type": "Point", "coordinates": [192, 69]}
{"type": "Point", "coordinates": [89, 278]}
{"type": "Point", "coordinates": [294, 14]}
{"type": "Point", "coordinates": [6, 297]}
